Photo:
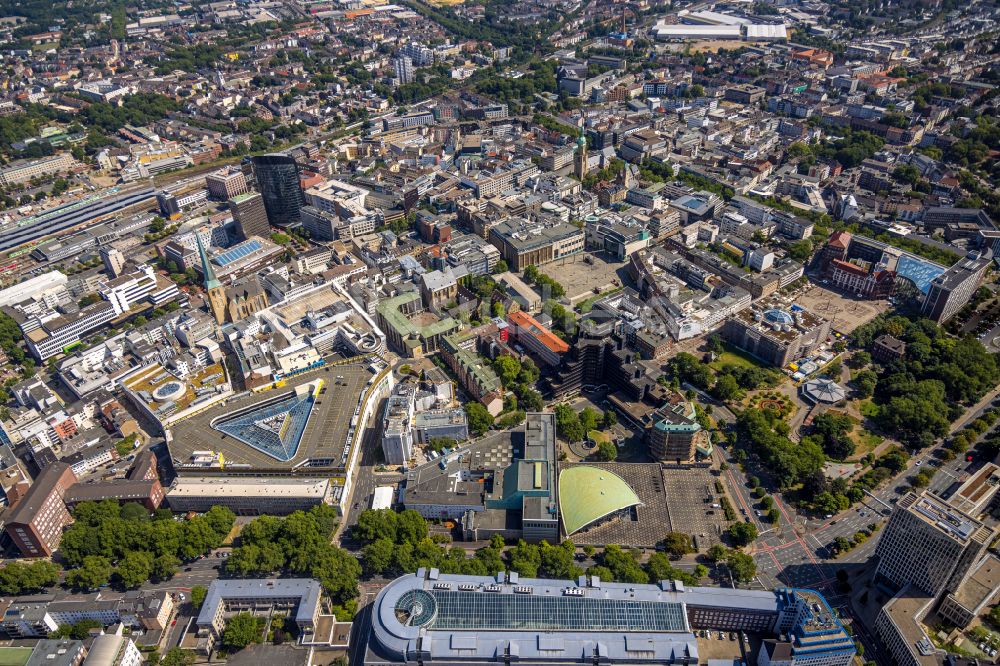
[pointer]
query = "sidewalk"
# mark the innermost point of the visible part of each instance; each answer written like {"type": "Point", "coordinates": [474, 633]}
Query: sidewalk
{"type": "Point", "coordinates": [973, 412]}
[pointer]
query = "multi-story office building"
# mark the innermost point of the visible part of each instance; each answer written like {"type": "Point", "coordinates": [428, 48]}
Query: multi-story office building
{"type": "Point", "coordinates": [300, 597]}
{"type": "Point", "coordinates": [36, 523]}
{"type": "Point", "coordinates": [226, 184]}
{"type": "Point", "coordinates": [397, 437]}
{"type": "Point", "coordinates": [88, 459]}
{"type": "Point", "coordinates": [250, 216]}
{"type": "Point", "coordinates": [278, 181]}
{"type": "Point", "coordinates": [320, 224]}
{"type": "Point", "coordinates": [774, 335]}
{"type": "Point", "coordinates": [125, 291]}
{"type": "Point", "coordinates": [939, 217]}
{"type": "Point", "coordinates": [22, 171]}
{"type": "Point", "coordinates": [47, 338]}
{"type": "Point", "coordinates": [523, 243]}
{"type": "Point", "coordinates": [539, 340]}
{"type": "Point", "coordinates": [449, 423]}
{"type": "Point", "coordinates": [929, 544]}
{"type": "Point", "coordinates": [557, 159]}
{"type": "Point", "coordinates": [899, 628]}
{"type": "Point", "coordinates": [248, 496]}
{"type": "Point", "coordinates": [48, 333]}
{"type": "Point", "coordinates": [618, 238]}
{"type": "Point", "coordinates": [475, 254]}
{"type": "Point", "coordinates": [39, 616]}
{"type": "Point", "coordinates": [951, 290]}
{"type": "Point", "coordinates": [149, 493]}
{"type": "Point", "coordinates": [416, 119]}
{"type": "Point", "coordinates": [114, 261]}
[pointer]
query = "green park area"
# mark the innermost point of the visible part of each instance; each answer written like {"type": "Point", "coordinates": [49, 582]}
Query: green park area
{"type": "Point", "coordinates": [14, 656]}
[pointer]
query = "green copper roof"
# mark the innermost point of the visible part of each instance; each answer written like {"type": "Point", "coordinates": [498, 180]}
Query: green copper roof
{"type": "Point", "coordinates": [211, 282]}
{"type": "Point", "coordinates": [587, 494]}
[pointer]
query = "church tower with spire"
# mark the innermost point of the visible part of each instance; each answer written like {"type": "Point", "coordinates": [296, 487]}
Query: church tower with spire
{"type": "Point", "coordinates": [216, 292]}
{"type": "Point", "coordinates": [580, 166]}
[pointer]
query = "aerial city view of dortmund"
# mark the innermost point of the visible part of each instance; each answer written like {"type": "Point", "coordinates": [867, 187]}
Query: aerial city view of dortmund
{"type": "Point", "coordinates": [500, 332]}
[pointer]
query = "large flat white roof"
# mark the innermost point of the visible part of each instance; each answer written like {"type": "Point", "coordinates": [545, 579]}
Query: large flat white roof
{"type": "Point", "coordinates": [766, 31]}
{"type": "Point", "coordinates": [382, 498]}
{"type": "Point", "coordinates": [228, 486]}
{"type": "Point", "coordinates": [697, 31]}
{"type": "Point", "coordinates": [30, 288]}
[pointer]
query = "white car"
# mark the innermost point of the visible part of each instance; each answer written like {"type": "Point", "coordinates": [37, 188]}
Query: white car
{"type": "Point", "coordinates": [919, 463]}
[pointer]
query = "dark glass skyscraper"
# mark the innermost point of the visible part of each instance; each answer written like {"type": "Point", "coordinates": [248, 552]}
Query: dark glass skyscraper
{"type": "Point", "coordinates": [278, 180]}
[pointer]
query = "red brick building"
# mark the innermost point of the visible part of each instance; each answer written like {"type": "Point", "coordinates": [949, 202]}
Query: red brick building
{"type": "Point", "coordinates": [36, 523]}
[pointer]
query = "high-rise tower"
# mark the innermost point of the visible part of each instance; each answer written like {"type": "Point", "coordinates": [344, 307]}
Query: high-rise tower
{"type": "Point", "coordinates": [278, 181]}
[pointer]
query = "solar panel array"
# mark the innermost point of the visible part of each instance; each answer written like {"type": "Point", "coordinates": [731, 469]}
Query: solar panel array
{"type": "Point", "coordinates": [237, 252]}
{"type": "Point", "coordinates": [481, 611]}
{"type": "Point", "coordinates": [250, 428]}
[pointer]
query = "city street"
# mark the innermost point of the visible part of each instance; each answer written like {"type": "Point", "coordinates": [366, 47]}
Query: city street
{"type": "Point", "coordinates": [796, 551]}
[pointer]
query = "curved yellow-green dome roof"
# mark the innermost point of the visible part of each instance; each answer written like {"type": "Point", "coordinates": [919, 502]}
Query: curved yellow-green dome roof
{"type": "Point", "coordinates": [587, 494]}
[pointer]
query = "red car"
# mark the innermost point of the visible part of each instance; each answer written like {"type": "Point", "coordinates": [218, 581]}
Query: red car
{"type": "Point", "coordinates": [173, 623]}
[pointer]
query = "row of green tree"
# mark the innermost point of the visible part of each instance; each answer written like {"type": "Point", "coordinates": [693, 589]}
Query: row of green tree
{"type": "Point", "coordinates": [492, 29]}
{"type": "Point", "coordinates": [299, 544]}
{"type": "Point", "coordinates": [398, 543]}
{"type": "Point", "coordinates": [142, 545]}
{"type": "Point", "coordinates": [549, 287]}
{"type": "Point", "coordinates": [20, 578]}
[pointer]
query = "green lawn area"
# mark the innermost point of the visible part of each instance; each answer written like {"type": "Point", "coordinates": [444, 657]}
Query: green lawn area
{"type": "Point", "coordinates": [587, 305]}
{"type": "Point", "coordinates": [864, 441]}
{"type": "Point", "coordinates": [14, 656]}
{"type": "Point", "coordinates": [868, 408]}
{"type": "Point", "coordinates": [738, 357]}
{"type": "Point", "coordinates": [598, 437]}
{"type": "Point", "coordinates": [39, 48]}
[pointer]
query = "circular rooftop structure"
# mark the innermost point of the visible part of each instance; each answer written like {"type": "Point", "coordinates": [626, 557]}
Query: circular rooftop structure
{"type": "Point", "coordinates": [777, 316]}
{"type": "Point", "coordinates": [824, 391]}
{"type": "Point", "coordinates": [588, 494]}
{"type": "Point", "coordinates": [169, 391]}
{"type": "Point", "coordinates": [415, 608]}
